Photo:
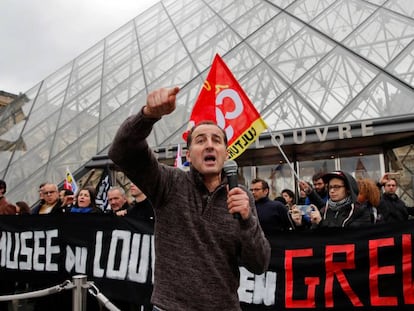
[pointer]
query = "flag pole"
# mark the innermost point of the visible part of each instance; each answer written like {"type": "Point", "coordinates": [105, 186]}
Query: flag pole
{"type": "Point", "coordinates": [285, 157]}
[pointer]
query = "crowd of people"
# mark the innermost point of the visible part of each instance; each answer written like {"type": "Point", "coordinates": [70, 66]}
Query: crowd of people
{"type": "Point", "coordinates": [334, 199]}
{"type": "Point", "coordinates": [55, 201]}
{"type": "Point", "coordinates": [199, 244]}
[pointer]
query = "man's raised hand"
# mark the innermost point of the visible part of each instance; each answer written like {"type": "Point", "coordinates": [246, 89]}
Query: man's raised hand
{"type": "Point", "coordinates": [161, 102]}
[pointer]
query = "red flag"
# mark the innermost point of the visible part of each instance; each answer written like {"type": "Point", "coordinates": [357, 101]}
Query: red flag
{"type": "Point", "coordinates": [223, 101]}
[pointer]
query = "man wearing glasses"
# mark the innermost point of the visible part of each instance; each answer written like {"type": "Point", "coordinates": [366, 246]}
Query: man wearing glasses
{"type": "Point", "coordinates": [273, 215]}
{"type": "Point", "coordinates": [52, 203]}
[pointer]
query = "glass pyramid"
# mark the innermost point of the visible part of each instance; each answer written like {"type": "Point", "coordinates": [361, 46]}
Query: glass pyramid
{"type": "Point", "coordinates": [302, 63]}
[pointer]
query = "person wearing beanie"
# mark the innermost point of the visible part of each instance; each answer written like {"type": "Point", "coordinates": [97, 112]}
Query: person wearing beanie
{"type": "Point", "coordinates": [342, 208]}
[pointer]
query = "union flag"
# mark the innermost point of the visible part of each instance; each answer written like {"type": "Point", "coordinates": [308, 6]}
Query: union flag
{"type": "Point", "coordinates": [223, 101]}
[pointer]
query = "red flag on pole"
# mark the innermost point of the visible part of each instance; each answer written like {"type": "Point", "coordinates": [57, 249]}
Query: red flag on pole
{"type": "Point", "coordinates": [223, 101]}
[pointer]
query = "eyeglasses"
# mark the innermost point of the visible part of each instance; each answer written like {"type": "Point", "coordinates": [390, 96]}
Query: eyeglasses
{"type": "Point", "coordinates": [256, 189]}
{"type": "Point", "coordinates": [48, 192]}
{"type": "Point", "coordinates": [335, 187]}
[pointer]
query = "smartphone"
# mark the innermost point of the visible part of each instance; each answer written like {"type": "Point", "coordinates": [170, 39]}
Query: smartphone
{"type": "Point", "coordinates": [304, 209]}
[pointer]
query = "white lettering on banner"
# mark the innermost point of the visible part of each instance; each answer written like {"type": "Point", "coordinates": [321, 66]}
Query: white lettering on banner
{"type": "Point", "coordinates": [12, 262]}
{"type": "Point", "coordinates": [97, 270]}
{"type": "Point", "coordinates": [25, 251]}
{"type": "Point", "coordinates": [230, 115]}
{"type": "Point", "coordinates": [123, 237]}
{"type": "Point", "coordinates": [343, 131]}
{"type": "Point", "coordinates": [128, 256]}
{"type": "Point", "coordinates": [76, 260]}
{"type": "Point", "coordinates": [16, 254]}
{"type": "Point", "coordinates": [140, 260]}
{"type": "Point", "coordinates": [257, 289]}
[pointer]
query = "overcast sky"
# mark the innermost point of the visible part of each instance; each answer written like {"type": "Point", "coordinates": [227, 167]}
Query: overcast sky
{"type": "Point", "coordinates": [40, 36]}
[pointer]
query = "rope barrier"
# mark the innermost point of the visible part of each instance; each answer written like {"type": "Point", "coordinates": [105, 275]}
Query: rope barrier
{"type": "Point", "coordinates": [66, 285]}
{"type": "Point", "coordinates": [94, 291]}
{"type": "Point", "coordinates": [39, 293]}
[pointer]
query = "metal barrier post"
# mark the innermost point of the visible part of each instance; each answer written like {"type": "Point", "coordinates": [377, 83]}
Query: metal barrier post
{"type": "Point", "coordinates": [79, 293]}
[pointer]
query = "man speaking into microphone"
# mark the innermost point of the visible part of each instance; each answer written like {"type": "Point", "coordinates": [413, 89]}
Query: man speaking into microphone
{"type": "Point", "coordinates": [198, 243]}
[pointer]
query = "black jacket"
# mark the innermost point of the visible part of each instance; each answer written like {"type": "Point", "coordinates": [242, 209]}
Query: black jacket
{"type": "Point", "coordinates": [391, 209]}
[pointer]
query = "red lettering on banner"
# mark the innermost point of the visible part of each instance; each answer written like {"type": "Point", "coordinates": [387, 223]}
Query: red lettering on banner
{"type": "Point", "coordinates": [311, 282]}
{"type": "Point", "coordinates": [407, 269]}
{"type": "Point", "coordinates": [335, 269]}
{"type": "Point", "coordinates": [375, 270]}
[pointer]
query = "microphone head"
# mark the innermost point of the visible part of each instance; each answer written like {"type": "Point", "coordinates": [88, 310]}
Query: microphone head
{"type": "Point", "coordinates": [230, 167]}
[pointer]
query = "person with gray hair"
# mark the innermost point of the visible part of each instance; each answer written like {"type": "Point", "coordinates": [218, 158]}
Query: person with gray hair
{"type": "Point", "coordinates": [118, 201]}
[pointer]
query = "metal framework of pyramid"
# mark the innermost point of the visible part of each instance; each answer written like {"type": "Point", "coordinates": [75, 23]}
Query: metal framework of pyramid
{"type": "Point", "coordinates": [302, 63]}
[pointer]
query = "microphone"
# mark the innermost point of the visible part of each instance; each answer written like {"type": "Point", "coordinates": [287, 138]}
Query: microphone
{"type": "Point", "coordinates": [230, 169]}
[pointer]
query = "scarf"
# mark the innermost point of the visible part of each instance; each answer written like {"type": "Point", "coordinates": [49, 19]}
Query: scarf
{"type": "Point", "coordinates": [336, 206]}
{"type": "Point", "coordinates": [82, 210]}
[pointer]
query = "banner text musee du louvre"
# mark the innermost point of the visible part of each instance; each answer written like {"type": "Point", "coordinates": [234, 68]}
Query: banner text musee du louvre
{"type": "Point", "coordinates": [125, 256]}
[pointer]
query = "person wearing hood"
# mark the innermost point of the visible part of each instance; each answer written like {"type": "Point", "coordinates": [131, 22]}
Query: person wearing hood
{"type": "Point", "coordinates": [342, 208]}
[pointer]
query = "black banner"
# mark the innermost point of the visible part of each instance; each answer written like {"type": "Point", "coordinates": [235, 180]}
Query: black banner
{"type": "Point", "coordinates": [339, 269]}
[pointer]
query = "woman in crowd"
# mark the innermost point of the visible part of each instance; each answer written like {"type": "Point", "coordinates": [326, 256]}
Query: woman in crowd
{"type": "Point", "coordinates": [22, 208]}
{"type": "Point", "coordinates": [289, 197]}
{"type": "Point", "coordinates": [369, 196]}
{"type": "Point", "coordinates": [341, 209]}
{"type": "Point", "coordinates": [85, 202]}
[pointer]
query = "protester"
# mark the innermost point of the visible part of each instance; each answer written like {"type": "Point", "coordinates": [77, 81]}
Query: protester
{"type": "Point", "coordinates": [6, 208]}
{"type": "Point", "coordinates": [22, 208]}
{"type": "Point", "coordinates": [118, 201]}
{"type": "Point", "coordinates": [316, 195]}
{"type": "Point", "coordinates": [140, 208]}
{"type": "Point", "coordinates": [289, 197]}
{"type": "Point", "coordinates": [340, 209]}
{"type": "Point", "coordinates": [391, 208]}
{"type": "Point", "coordinates": [68, 199]}
{"type": "Point", "coordinates": [369, 197]}
{"type": "Point", "coordinates": [41, 200]}
{"type": "Point", "coordinates": [273, 215]}
{"type": "Point", "coordinates": [85, 202]}
{"type": "Point", "coordinates": [52, 203]}
{"type": "Point", "coordinates": [199, 244]}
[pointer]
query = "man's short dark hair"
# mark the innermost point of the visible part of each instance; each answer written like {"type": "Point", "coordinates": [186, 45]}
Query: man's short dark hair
{"type": "Point", "coordinates": [67, 192]}
{"type": "Point", "coordinates": [318, 176]}
{"type": "Point", "coordinates": [190, 133]}
{"type": "Point", "coordinates": [264, 183]}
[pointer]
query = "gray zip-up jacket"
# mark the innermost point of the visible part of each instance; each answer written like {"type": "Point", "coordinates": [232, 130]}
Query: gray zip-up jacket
{"type": "Point", "coordinates": [198, 243]}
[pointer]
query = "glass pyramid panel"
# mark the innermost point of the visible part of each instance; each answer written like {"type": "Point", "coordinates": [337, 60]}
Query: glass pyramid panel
{"type": "Point", "coordinates": [225, 41]}
{"type": "Point", "coordinates": [262, 86]}
{"type": "Point", "coordinates": [254, 19]}
{"type": "Point", "coordinates": [381, 38]}
{"type": "Point", "coordinates": [235, 9]}
{"type": "Point", "coordinates": [299, 54]}
{"type": "Point", "coordinates": [211, 28]}
{"type": "Point", "coordinates": [273, 34]}
{"type": "Point", "coordinates": [282, 3]}
{"type": "Point", "coordinates": [290, 111]}
{"type": "Point", "coordinates": [340, 19]}
{"type": "Point", "coordinates": [307, 10]}
{"type": "Point", "coordinates": [332, 84]}
{"type": "Point", "coordinates": [384, 97]}
{"type": "Point", "coordinates": [403, 65]}
{"type": "Point", "coordinates": [404, 7]}
{"type": "Point", "coordinates": [125, 86]}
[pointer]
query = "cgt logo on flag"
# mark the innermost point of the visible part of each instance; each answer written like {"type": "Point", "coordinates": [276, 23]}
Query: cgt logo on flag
{"type": "Point", "coordinates": [223, 101]}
